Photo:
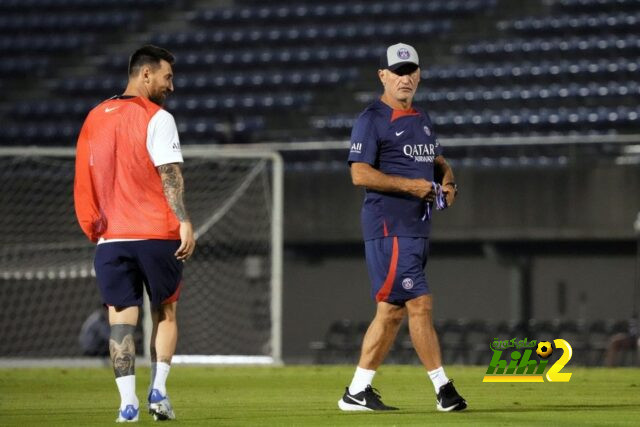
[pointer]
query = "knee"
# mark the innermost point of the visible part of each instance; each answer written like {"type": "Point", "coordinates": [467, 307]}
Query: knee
{"type": "Point", "coordinates": [166, 313]}
{"type": "Point", "coordinates": [420, 307]}
{"type": "Point", "coordinates": [420, 312]}
{"type": "Point", "coordinates": [392, 318]}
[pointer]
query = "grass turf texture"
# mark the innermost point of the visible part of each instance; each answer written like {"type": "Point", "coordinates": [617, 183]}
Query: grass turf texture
{"type": "Point", "coordinates": [308, 395]}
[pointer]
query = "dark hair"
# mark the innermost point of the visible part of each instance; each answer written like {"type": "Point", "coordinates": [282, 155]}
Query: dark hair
{"type": "Point", "coordinates": [149, 55]}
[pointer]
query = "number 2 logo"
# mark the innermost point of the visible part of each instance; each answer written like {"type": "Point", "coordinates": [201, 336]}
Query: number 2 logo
{"type": "Point", "coordinates": [554, 374]}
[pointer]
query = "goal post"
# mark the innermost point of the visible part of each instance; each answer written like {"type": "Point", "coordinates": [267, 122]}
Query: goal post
{"type": "Point", "coordinates": [230, 309]}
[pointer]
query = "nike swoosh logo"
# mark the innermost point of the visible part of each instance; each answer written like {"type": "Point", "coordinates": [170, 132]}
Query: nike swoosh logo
{"type": "Point", "coordinates": [108, 110]}
{"type": "Point", "coordinates": [399, 133]}
{"type": "Point", "coordinates": [362, 402]}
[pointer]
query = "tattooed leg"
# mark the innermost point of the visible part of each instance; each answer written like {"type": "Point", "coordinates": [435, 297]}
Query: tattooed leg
{"type": "Point", "coordinates": [123, 357]}
{"type": "Point", "coordinates": [122, 349]}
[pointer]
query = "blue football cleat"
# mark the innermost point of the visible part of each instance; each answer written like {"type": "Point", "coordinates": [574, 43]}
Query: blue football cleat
{"type": "Point", "coordinates": [160, 407]}
{"type": "Point", "coordinates": [128, 415]}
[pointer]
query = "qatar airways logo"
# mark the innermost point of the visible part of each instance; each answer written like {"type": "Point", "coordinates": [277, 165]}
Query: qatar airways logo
{"type": "Point", "coordinates": [423, 153]}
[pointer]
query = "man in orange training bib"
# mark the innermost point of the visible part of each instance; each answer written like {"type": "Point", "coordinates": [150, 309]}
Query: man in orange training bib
{"type": "Point", "coordinates": [129, 199]}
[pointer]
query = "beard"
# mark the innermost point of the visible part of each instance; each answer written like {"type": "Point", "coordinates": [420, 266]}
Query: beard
{"type": "Point", "coordinates": [158, 98]}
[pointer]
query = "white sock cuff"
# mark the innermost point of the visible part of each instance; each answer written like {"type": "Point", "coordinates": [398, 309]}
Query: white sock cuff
{"type": "Point", "coordinates": [438, 378]}
{"type": "Point", "coordinates": [361, 379]}
{"type": "Point", "coordinates": [162, 367]}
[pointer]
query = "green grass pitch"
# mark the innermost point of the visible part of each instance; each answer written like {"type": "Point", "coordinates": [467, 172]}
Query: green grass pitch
{"type": "Point", "coordinates": [308, 395]}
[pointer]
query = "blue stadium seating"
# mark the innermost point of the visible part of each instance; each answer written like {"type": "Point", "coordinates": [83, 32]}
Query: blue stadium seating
{"type": "Point", "coordinates": [611, 45]}
{"type": "Point", "coordinates": [573, 67]}
{"type": "Point", "coordinates": [207, 103]}
{"type": "Point", "coordinates": [522, 94]}
{"type": "Point", "coordinates": [20, 6]}
{"type": "Point", "coordinates": [213, 60]}
{"type": "Point", "coordinates": [543, 70]}
{"type": "Point", "coordinates": [196, 82]}
{"type": "Point", "coordinates": [56, 43]}
{"type": "Point", "coordinates": [206, 130]}
{"type": "Point", "coordinates": [605, 5]}
{"type": "Point", "coordinates": [63, 22]}
{"type": "Point", "coordinates": [78, 108]}
{"type": "Point", "coordinates": [513, 122]}
{"type": "Point", "coordinates": [266, 12]}
{"type": "Point", "coordinates": [575, 24]}
{"type": "Point", "coordinates": [210, 38]}
{"type": "Point", "coordinates": [10, 66]}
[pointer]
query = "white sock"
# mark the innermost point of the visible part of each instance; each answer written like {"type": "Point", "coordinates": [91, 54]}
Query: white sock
{"type": "Point", "coordinates": [127, 389]}
{"type": "Point", "coordinates": [162, 372]}
{"type": "Point", "coordinates": [361, 379]}
{"type": "Point", "coordinates": [438, 378]}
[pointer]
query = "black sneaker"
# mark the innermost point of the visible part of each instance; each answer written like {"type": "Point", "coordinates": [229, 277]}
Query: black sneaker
{"type": "Point", "coordinates": [448, 399]}
{"type": "Point", "coordinates": [367, 400]}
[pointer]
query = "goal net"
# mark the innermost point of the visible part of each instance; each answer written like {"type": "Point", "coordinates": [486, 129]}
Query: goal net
{"type": "Point", "coordinates": [230, 306]}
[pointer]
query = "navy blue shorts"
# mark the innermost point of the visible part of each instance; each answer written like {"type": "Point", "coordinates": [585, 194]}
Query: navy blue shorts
{"type": "Point", "coordinates": [122, 268]}
{"type": "Point", "coordinates": [396, 268]}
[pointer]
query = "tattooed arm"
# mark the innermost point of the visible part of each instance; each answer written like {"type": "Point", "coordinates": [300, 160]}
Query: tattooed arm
{"type": "Point", "coordinates": [173, 186]}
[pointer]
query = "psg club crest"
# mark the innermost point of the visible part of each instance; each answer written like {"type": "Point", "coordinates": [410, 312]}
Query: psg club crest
{"type": "Point", "coordinates": [427, 130]}
{"type": "Point", "coordinates": [407, 283]}
{"type": "Point", "coordinates": [403, 53]}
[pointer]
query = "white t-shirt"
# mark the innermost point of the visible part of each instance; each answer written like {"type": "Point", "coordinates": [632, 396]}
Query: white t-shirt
{"type": "Point", "coordinates": [163, 143]}
{"type": "Point", "coordinates": [163, 146]}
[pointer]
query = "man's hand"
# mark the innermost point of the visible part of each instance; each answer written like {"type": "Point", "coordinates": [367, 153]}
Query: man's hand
{"type": "Point", "coordinates": [422, 189]}
{"type": "Point", "coordinates": [449, 193]}
{"type": "Point", "coordinates": [187, 241]}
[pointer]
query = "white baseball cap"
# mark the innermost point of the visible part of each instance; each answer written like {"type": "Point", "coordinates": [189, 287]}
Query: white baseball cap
{"type": "Point", "coordinates": [399, 55]}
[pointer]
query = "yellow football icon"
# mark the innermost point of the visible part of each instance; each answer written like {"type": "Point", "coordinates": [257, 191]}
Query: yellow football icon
{"type": "Point", "coordinates": [544, 349]}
